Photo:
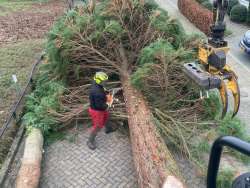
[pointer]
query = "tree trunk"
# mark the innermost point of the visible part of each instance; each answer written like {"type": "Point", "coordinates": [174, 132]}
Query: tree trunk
{"type": "Point", "coordinates": [153, 161]}
{"type": "Point", "coordinates": [29, 173]}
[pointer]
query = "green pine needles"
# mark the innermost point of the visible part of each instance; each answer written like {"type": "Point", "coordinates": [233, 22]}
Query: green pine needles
{"type": "Point", "coordinates": [43, 99]}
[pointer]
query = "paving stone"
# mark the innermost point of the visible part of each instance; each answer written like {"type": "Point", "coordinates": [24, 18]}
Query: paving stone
{"type": "Point", "coordinates": [68, 164]}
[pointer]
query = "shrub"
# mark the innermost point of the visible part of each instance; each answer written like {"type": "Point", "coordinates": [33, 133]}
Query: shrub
{"type": "Point", "coordinates": [232, 127]}
{"type": "Point", "coordinates": [201, 1]}
{"type": "Point", "coordinates": [207, 5]}
{"type": "Point", "coordinates": [205, 18]}
{"type": "Point", "coordinates": [231, 4]}
{"type": "Point", "coordinates": [212, 106]}
{"type": "Point", "coordinates": [225, 178]}
{"type": "Point", "coordinates": [238, 13]}
{"type": "Point", "coordinates": [43, 99]}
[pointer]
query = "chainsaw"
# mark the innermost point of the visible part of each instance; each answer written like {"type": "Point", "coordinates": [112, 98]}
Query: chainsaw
{"type": "Point", "coordinates": [111, 96]}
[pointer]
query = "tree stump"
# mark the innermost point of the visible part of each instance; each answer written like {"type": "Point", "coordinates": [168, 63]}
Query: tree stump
{"type": "Point", "coordinates": [29, 173]}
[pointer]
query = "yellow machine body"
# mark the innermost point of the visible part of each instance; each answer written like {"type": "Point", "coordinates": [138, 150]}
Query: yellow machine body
{"type": "Point", "coordinates": [225, 73]}
{"type": "Point", "coordinates": [205, 50]}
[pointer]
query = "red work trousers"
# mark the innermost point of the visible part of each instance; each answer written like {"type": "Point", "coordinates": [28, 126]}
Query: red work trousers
{"type": "Point", "coordinates": [99, 118]}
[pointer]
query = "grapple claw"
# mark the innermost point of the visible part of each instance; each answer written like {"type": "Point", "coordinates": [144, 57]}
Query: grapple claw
{"type": "Point", "coordinates": [224, 98]}
{"type": "Point", "coordinates": [234, 87]}
{"type": "Point", "coordinates": [223, 81]}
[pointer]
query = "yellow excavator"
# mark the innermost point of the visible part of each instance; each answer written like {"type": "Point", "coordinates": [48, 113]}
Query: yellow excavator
{"type": "Point", "coordinates": [211, 70]}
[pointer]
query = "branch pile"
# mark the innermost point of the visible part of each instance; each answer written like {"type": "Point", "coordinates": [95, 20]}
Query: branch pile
{"type": "Point", "coordinates": [75, 104]}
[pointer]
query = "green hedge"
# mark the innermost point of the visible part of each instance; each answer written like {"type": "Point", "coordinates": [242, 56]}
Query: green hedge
{"type": "Point", "coordinates": [238, 13]}
{"type": "Point", "coordinates": [201, 17]}
{"type": "Point", "coordinates": [231, 4]}
{"type": "Point", "coordinates": [201, 1]}
{"type": "Point", "coordinates": [207, 5]}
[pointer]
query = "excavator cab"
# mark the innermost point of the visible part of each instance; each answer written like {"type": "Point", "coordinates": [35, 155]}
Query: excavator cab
{"type": "Point", "coordinates": [242, 181]}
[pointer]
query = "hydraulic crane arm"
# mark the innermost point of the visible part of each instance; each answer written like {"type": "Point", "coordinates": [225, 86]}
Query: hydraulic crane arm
{"type": "Point", "coordinates": [219, 11]}
{"type": "Point", "coordinates": [218, 28]}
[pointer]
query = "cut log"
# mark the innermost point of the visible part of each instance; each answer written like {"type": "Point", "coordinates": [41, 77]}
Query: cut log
{"type": "Point", "coordinates": [29, 173]}
{"type": "Point", "coordinates": [153, 161]}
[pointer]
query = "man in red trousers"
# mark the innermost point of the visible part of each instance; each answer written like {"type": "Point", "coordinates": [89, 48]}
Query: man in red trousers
{"type": "Point", "coordinates": [98, 106]}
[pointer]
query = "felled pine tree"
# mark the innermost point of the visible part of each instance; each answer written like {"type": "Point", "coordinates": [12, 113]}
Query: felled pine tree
{"type": "Point", "coordinates": [128, 38]}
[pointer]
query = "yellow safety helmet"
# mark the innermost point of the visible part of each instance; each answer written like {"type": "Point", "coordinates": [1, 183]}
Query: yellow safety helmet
{"type": "Point", "coordinates": [100, 77]}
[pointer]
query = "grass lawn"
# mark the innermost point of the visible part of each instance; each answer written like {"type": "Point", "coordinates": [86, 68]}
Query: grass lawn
{"type": "Point", "coordinates": [15, 59]}
{"type": "Point", "coordinates": [18, 52]}
{"type": "Point", "coordinates": [8, 7]}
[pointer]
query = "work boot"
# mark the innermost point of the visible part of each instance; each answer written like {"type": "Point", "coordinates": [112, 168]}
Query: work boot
{"type": "Point", "coordinates": [109, 128]}
{"type": "Point", "coordinates": [91, 141]}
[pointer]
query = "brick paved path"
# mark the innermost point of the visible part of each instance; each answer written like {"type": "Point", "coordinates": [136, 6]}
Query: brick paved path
{"type": "Point", "coordinates": [71, 164]}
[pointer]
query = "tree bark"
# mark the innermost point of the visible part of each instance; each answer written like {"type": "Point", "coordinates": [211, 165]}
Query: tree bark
{"type": "Point", "coordinates": [154, 164]}
{"type": "Point", "coordinates": [153, 161]}
{"type": "Point", "coordinates": [29, 173]}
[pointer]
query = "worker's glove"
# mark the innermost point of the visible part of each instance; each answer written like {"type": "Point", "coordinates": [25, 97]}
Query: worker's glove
{"type": "Point", "coordinates": [109, 100]}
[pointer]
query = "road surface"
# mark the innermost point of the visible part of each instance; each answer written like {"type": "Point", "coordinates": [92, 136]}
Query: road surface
{"type": "Point", "coordinates": [238, 32]}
